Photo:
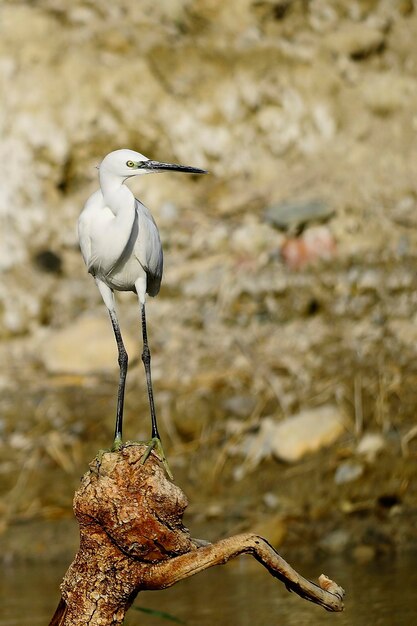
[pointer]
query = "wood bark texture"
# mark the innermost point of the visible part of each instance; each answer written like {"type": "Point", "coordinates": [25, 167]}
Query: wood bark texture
{"type": "Point", "coordinates": [132, 538]}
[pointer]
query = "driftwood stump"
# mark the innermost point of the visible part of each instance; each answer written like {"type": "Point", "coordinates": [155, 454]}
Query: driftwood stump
{"type": "Point", "coordinates": [132, 538]}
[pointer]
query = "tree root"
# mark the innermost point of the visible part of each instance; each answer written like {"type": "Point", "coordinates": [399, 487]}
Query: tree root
{"type": "Point", "coordinates": [132, 539]}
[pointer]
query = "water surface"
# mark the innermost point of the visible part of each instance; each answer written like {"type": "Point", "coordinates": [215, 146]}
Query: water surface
{"type": "Point", "coordinates": [241, 593]}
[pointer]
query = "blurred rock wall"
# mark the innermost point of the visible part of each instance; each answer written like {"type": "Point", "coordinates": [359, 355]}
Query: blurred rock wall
{"type": "Point", "coordinates": [277, 98]}
{"type": "Point", "coordinates": [282, 101]}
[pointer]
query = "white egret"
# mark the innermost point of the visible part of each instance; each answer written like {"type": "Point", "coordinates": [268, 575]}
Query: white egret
{"type": "Point", "coordinates": [122, 250]}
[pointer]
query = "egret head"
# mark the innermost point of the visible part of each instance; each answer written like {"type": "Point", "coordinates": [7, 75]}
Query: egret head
{"type": "Point", "coordinates": [126, 163]}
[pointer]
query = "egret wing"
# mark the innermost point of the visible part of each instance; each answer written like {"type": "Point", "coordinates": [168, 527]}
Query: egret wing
{"type": "Point", "coordinates": [84, 239]}
{"type": "Point", "coordinates": [148, 248]}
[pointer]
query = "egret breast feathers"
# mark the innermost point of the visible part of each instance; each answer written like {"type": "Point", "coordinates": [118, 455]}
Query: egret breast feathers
{"type": "Point", "coordinates": [119, 247]}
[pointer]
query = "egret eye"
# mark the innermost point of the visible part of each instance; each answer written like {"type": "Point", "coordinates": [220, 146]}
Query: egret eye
{"type": "Point", "coordinates": [130, 164]}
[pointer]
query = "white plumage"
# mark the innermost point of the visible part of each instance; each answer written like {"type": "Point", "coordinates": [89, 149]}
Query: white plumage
{"type": "Point", "coordinates": [122, 250]}
{"type": "Point", "coordinates": [118, 236]}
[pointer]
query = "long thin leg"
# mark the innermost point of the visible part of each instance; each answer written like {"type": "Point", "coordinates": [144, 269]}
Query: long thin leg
{"type": "Point", "coordinates": [155, 442]}
{"type": "Point", "coordinates": [146, 358]}
{"type": "Point", "coordinates": [108, 298]}
{"type": "Point", "coordinates": [123, 364]}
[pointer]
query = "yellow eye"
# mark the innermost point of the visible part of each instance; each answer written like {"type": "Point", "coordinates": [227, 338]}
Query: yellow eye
{"type": "Point", "coordinates": [130, 164]}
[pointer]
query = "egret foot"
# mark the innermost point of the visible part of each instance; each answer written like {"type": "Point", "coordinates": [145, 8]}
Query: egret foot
{"type": "Point", "coordinates": [96, 464]}
{"type": "Point", "coordinates": [155, 444]}
{"type": "Point", "coordinates": [117, 444]}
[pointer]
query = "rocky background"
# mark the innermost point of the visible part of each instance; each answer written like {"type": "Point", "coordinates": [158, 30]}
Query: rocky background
{"type": "Point", "coordinates": [284, 336]}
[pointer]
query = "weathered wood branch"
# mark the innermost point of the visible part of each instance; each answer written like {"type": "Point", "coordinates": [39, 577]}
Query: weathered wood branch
{"type": "Point", "coordinates": [132, 539]}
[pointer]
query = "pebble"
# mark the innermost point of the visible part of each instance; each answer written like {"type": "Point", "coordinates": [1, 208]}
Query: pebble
{"type": "Point", "coordinates": [253, 238]}
{"type": "Point", "coordinates": [293, 215]}
{"type": "Point", "coordinates": [306, 432]}
{"type": "Point", "coordinates": [348, 472]}
{"type": "Point", "coordinates": [404, 212]}
{"type": "Point", "coordinates": [270, 500]}
{"type": "Point", "coordinates": [240, 405]}
{"type": "Point", "coordinates": [363, 553]}
{"type": "Point", "coordinates": [370, 446]}
{"type": "Point", "coordinates": [204, 284]}
{"type": "Point", "coordinates": [316, 243]}
{"type": "Point", "coordinates": [404, 330]}
{"type": "Point", "coordinates": [335, 542]}
{"type": "Point", "coordinates": [357, 41]}
{"type": "Point", "coordinates": [386, 93]}
{"type": "Point", "coordinates": [369, 280]}
{"type": "Point", "coordinates": [296, 436]}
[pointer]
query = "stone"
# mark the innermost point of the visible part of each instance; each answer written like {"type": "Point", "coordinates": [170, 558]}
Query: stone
{"type": "Point", "coordinates": [404, 212]}
{"type": "Point", "coordinates": [253, 238]}
{"type": "Point", "coordinates": [315, 244]}
{"type": "Point", "coordinates": [271, 500]}
{"type": "Point", "coordinates": [294, 437]}
{"type": "Point", "coordinates": [369, 280]}
{"type": "Point", "coordinates": [335, 542]}
{"type": "Point", "coordinates": [295, 215]}
{"type": "Point", "coordinates": [358, 41]}
{"type": "Point", "coordinates": [241, 405]}
{"type": "Point", "coordinates": [404, 330]}
{"type": "Point", "coordinates": [85, 347]}
{"type": "Point", "coordinates": [364, 553]}
{"type": "Point", "coordinates": [386, 93]}
{"type": "Point", "coordinates": [307, 432]}
{"type": "Point", "coordinates": [205, 283]}
{"type": "Point", "coordinates": [370, 445]}
{"type": "Point", "coordinates": [348, 472]}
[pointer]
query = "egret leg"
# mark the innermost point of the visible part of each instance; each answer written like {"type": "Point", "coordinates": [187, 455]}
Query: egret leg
{"type": "Point", "coordinates": [146, 358]}
{"type": "Point", "coordinates": [155, 442]}
{"type": "Point", "coordinates": [123, 364]}
{"type": "Point", "coordinates": [108, 299]}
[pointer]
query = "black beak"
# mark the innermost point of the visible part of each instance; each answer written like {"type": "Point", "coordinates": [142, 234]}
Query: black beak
{"type": "Point", "coordinates": [157, 166]}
